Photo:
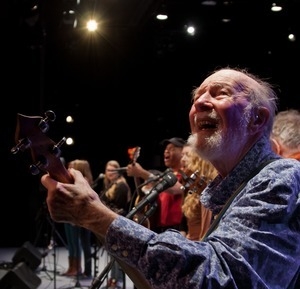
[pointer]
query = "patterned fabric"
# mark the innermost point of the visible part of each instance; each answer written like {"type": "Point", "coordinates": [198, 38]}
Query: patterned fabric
{"type": "Point", "coordinates": [256, 244]}
{"type": "Point", "coordinates": [220, 190]}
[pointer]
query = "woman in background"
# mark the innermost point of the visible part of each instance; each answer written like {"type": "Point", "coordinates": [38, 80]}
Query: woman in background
{"type": "Point", "coordinates": [79, 239]}
{"type": "Point", "coordinates": [116, 194]}
{"type": "Point", "coordinates": [197, 173]}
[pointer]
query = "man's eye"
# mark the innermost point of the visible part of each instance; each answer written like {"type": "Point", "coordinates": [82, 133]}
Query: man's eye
{"type": "Point", "coordinates": [224, 92]}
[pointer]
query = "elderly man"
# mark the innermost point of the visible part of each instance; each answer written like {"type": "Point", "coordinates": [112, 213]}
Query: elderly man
{"type": "Point", "coordinates": [254, 241]}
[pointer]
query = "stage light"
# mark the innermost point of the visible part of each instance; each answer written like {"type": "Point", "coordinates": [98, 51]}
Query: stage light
{"type": "Point", "coordinates": [92, 25]}
{"type": "Point", "coordinates": [191, 30]}
{"type": "Point", "coordinates": [70, 141]}
{"type": "Point", "coordinates": [162, 13]}
{"type": "Point", "coordinates": [69, 18]}
{"type": "Point", "coordinates": [276, 7]}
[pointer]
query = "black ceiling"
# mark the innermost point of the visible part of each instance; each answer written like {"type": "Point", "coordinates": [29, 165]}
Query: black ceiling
{"type": "Point", "coordinates": [46, 55]}
{"type": "Point", "coordinates": [136, 71]}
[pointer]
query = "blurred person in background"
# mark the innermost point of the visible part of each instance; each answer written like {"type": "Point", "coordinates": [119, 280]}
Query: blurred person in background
{"type": "Point", "coordinates": [196, 174]}
{"type": "Point", "coordinates": [145, 214]}
{"type": "Point", "coordinates": [78, 238]}
{"type": "Point", "coordinates": [285, 136]}
{"type": "Point", "coordinates": [115, 194]}
{"type": "Point", "coordinates": [168, 213]}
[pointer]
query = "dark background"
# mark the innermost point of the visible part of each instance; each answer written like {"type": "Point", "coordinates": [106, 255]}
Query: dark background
{"type": "Point", "coordinates": [127, 85]}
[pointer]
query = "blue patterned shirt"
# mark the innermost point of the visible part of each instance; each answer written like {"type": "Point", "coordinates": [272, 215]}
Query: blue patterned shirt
{"type": "Point", "coordinates": [255, 245]}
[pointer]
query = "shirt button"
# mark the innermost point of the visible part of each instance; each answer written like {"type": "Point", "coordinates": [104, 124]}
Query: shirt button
{"type": "Point", "coordinates": [125, 253]}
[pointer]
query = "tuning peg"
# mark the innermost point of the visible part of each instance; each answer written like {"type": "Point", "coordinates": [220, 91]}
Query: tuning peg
{"type": "Point", "coordinates": [34, 170]}
{"type": "Point", "coordinates": [39, 165]}
{"type": "Point", "coordinates": [202, 181]}
{"type": "Point", "coordinates": [191, 179]}
{"type": "Point", "coordinates": [49, 116]}
{"type": "Point", "coordinates": [22, 145]}
{"type": "Point", "coordinates": [194, 175]}
{"type": "Point", "coordinates": [56, 148]}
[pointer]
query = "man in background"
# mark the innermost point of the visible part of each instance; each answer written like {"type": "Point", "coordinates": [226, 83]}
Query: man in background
{"type": "Point", "coordinates": [168, 213]}
{"type": "Point", "coordinates": [285, 136]}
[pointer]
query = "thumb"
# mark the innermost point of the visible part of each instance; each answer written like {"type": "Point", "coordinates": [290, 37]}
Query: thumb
{"type": "Point", "coordinates": [47, 181]}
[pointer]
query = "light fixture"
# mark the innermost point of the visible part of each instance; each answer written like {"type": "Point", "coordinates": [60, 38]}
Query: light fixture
{"type": "Point", "coordinates": [162, 13]}
{"type": "Point", "coordinates": [162, 16]}
{"type": "Point", "coordinates": [292, 37]}
{"type": "Point", "coordinates": [209, 3]}
{"type": "Point", "coordinates": [191, 30]}
{"type": "Point", "coordinates": [69, 12]}
{"type": "Point", "coordinates": [275, 7]}
{"type": "Point", "coordinates": [69, 18]}
{"type": "Point", "coordinates": [92, 25]}
{"type": "Point", "coordinates": [69, 141]}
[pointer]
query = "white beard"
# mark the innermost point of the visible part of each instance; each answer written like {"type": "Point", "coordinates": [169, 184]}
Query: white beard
{"type": "Point", "coordinates": [220, 143]}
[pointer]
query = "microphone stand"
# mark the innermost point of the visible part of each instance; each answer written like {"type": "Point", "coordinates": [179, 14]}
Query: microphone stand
{"type": "Point", "coordinates": [149, 213]}
{"type": "Point", "coordinates": [52, 245]}
{"type": "Point", "coordinates": [169, 180]}
{"type": "Point", "coordinates": [97, 282]}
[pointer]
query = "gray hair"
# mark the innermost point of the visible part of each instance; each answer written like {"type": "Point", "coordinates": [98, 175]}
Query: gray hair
{"type": "Point", "coordinates": [286, 128]}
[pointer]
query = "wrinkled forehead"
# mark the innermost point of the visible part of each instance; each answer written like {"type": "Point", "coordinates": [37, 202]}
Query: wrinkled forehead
{"type": "Point", "coordinates": [233, 78]}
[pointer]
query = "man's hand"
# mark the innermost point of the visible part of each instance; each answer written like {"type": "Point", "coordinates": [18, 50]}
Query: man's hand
{"type": "Point", "coordinates": [77, 203]}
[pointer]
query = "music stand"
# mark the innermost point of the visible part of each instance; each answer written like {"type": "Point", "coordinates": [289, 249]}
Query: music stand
{"type": "Point", "coordinates": [46, 219]}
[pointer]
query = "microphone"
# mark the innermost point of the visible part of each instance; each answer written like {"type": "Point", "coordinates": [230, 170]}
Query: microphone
{"type": "Point", "coordinates": [155, 178]}
{"type": "Point", "coordinates": [101, 176]}
{"type": "Point", "coordinates": [168, 180]}
{"type": "Point", "coordinates": [122, 169]}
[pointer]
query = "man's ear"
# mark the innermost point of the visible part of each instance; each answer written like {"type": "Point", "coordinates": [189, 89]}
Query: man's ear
{"type": "Point", "coordinates": [262, 116]}
{"type": "Point", "coordinates": [259, 119]}
{"type": "Point", "coordinates": [275, 146]}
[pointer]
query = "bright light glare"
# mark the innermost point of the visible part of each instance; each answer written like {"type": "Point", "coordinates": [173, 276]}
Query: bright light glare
{"type": "Point", "coordinates": [69, 119]}
{"type": "Point", "coordinates": [69, 141]}
{"type": "Point", "coordinates": [276, 8]}
{"type": "Point", "coordinates": [92, 25]}
{"type": "Point", "coordinates": [161, 16]}
{"type": "Point", "coordinates": [292, 37]}
{"type": "Point", "coordinates": [191, 30]}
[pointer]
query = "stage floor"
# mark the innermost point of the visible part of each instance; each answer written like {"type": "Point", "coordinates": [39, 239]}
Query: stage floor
{"type": "Point", "coordinates": [56, 262]}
